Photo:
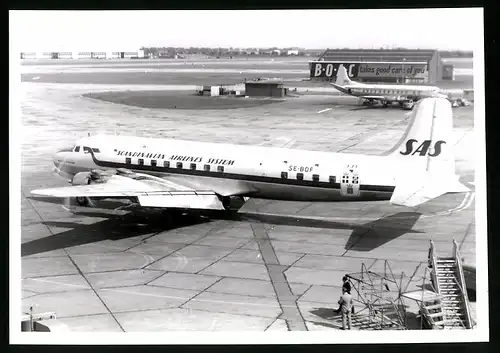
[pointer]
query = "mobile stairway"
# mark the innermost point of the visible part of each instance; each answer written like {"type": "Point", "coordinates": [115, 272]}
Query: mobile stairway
{"type": "Point", "coordinates": [449, 307]}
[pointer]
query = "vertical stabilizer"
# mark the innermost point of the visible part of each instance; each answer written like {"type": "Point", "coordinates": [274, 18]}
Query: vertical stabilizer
{"type": "Point", "coordinates": [423, 159]}
{"type": "Point", "coordinates": [427, 143]}
{"type": "Point", "coordinates": [342, 77]}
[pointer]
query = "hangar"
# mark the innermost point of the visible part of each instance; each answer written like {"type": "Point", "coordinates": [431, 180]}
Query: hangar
{"type": "Point", "coordinates": [377, 65]}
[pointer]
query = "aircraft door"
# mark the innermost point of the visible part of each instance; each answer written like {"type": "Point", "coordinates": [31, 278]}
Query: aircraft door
{"type": "Point", "coordinates": [349, 184]}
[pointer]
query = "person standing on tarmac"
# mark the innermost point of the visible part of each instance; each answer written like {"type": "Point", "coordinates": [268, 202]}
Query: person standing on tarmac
{"type": "Point", "coordinates": [345, 308]}
{"type": "Point", "coordinates": [345, 285]}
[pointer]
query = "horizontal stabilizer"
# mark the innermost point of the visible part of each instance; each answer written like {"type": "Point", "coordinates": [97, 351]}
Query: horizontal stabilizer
{"type": "Point", "coordinates": [411, 193]}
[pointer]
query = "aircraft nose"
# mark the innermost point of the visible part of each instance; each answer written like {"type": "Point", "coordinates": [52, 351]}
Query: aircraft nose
{"type": "Point", "coordinates": [56, 159]}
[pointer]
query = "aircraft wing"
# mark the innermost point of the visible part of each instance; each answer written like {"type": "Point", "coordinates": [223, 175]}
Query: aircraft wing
{"type": "Point", "coordinates": [150, 191]}
{"type": "Point", "coordinates": [374, 97]}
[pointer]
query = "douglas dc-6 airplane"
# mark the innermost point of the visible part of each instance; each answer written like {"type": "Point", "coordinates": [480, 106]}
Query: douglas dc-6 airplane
{"type": "Point", "coordinates": [173, 174]}
{"type": "Point", "coordinates": [405, 95]}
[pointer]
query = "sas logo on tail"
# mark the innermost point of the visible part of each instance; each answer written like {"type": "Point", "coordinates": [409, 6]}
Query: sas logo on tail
{"type": "Point", "coordinates": [423, 148]}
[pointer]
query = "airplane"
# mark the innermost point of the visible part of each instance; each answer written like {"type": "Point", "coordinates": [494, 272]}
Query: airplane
{"type": "Point", "coordinates": [405, 95]}
{"type": "Point", "coordinates": [173, 175]}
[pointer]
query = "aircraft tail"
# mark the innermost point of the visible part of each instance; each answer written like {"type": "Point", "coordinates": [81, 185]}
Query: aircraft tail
{"type": "Point", "coordinates": [425, 155]}
{"type": "Point", "coordinates": [343, 78]}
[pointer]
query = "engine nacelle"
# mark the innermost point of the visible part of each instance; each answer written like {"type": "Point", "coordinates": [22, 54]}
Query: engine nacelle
{"type": "Point", "coordinates": [233, 202]}
{"type": "Point", "coordinates": [82, 178]}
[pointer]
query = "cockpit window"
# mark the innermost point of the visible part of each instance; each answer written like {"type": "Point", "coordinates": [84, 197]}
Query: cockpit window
{"type": "Point", "coordinates": [77, 149]}
{"type": "Point", "coordinates": [86, 149]}
{"type": "Point", "coordinates": [96, 150]}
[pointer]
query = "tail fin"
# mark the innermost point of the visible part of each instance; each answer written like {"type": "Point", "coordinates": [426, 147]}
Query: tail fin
{"type": "Point", "coordinates": [342, 77]}
{"type": "Point", "coordinates": [425, 154]}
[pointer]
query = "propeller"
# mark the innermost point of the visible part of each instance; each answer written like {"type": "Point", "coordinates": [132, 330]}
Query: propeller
{"type": "Point", "coordinates": [66, 204]}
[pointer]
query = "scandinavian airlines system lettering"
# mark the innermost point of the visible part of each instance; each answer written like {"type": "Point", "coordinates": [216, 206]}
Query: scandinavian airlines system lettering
{"type": "Point", "coordinates": [200, 159]}
{"type": "Point", "coordinates": [140, 154]}
{"type": "Point", "coordinates": [211, 160]}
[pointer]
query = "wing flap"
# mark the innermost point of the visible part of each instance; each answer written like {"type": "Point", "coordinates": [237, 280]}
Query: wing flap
{"type": "Point", "coordinates": [191, 201]}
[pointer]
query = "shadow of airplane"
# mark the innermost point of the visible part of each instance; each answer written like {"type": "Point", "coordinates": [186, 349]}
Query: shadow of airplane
{"type": "Point", "coordinates": [376, 233]}
{"type": "Point", "coordinates": [128, 226]}
{"type": "Point", "coordinates": [110, 229]}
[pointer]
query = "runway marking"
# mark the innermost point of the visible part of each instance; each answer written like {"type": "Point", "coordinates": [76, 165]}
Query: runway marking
{"type": "Point", "coordinates": [466, 202]}
{"type": "Point", "coordinates": [324, 110]}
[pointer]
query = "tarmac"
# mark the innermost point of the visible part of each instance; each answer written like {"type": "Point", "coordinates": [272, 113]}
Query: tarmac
{"type": "Point", "coordinates": [277, 267]}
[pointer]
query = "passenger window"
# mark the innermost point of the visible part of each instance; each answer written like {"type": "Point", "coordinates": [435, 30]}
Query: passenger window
{"type": "Point", "coordinates": [179, 165]}
{"type": "Point", "coordinates": [333, 179]}
{"type": "Point", "coordinates": [315, 177]}
{"type": "Point", "coordinates": [284, 175]}
{"type": "Point", "coordinates": [77, 149]}
{"type": "Point", "coordinates": [300, 176]}
{"type": "Point", "coordinates": [193, 166]}
{"type": "Point", "coordinates": [153, 163]}
{"type": "Point", "coordinates": [166, 164]}
{"type": "Point", "coordinates": [128, 160]}
{"type": "Point", "coordinates": [220, 169]}
{"type": "Point", "coordinates": [141, 161]}
{"type": "Point", "coordinates": [206, 167]}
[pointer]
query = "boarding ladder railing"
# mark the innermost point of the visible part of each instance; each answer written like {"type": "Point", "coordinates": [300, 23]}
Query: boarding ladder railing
{"type": "Point", "coordinates": [462, 285]}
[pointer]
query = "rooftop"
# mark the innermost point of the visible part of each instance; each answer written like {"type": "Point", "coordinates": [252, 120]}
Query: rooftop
{"type": "Point", "coordinates": [266, 81]}
{"type": "Point", "coordinates": [378, 54]}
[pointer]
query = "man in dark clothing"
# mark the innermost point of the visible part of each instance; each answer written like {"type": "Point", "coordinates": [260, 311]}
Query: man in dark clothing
{"type": "Point", "coordinates": [346, 286]}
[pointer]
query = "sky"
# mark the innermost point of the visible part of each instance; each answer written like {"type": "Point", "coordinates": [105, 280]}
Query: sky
{"type": "Point", "coordinates": [310, 29]}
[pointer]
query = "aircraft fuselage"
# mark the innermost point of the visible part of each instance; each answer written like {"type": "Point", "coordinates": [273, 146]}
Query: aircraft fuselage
{"type": "Point", "coordinates": [263, 172]}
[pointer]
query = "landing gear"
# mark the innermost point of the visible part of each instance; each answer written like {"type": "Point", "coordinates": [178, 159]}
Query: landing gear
{"type": "Point", "coordinates": [226, 202]}
{"type": "Point", "coordinates": [82, 200]}
{"type": "Point", "coordinates": [384, 104]}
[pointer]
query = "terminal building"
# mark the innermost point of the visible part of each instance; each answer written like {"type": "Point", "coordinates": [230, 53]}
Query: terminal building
{"type": "Point", "coordinates": [384, 66]}
{"type": "Point", "coordinates": [84, 55]}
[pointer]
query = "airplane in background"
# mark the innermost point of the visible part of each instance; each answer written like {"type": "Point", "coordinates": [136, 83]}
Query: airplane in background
{"type": "Point", "coordinates": [173, 175]}
{"type": "Point", "coordinates": [405, 95]}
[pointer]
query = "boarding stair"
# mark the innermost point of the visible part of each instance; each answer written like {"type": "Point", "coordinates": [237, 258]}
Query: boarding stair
{"type": "Point", "coordinates": [449, 309]}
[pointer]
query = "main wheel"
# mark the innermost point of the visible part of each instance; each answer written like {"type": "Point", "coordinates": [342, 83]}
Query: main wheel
{"type": "Point", "coordinates": [82, 200]}
{"type": "Point", "coordinates": [226, 202]}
